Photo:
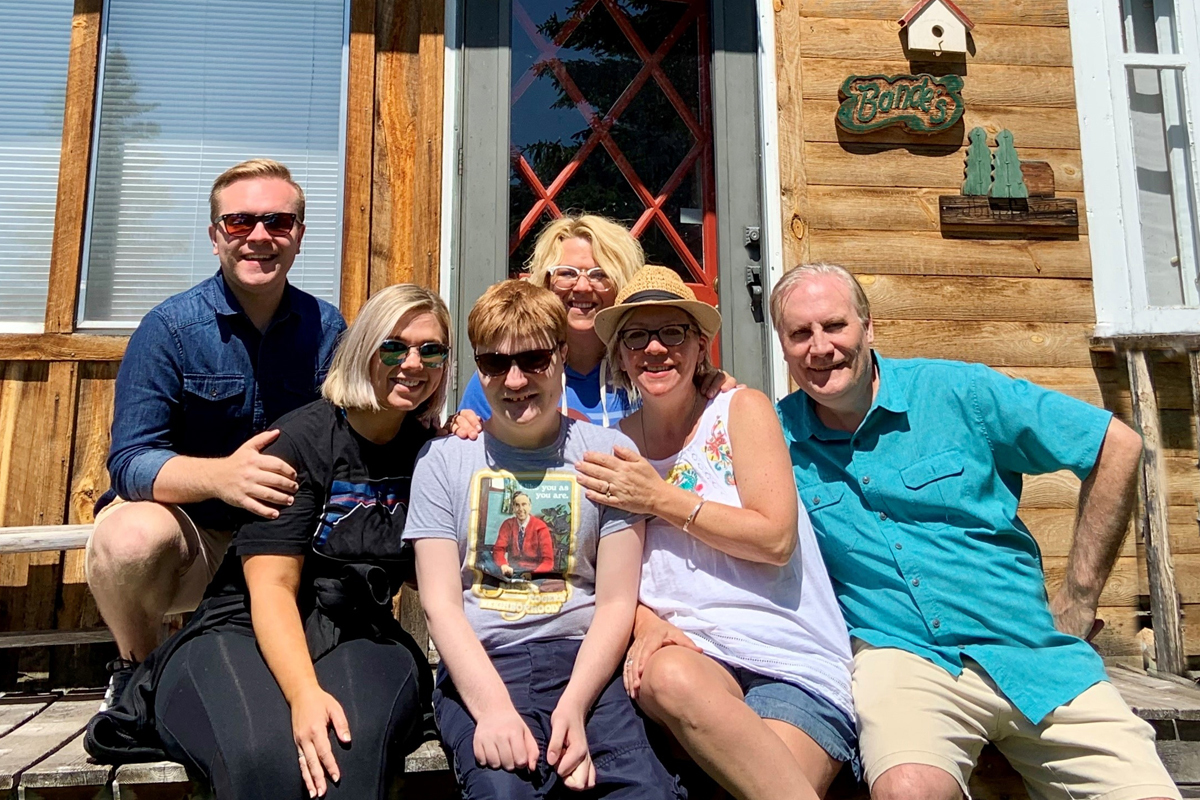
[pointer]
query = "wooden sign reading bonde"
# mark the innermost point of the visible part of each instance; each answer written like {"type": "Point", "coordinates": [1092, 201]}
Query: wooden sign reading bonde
{"type": "Point", "coordinates": [920, 103]}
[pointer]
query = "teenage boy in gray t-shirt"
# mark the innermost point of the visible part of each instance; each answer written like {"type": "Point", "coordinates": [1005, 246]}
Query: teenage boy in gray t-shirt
{"type": "Point", "coordinates": [529, 587]}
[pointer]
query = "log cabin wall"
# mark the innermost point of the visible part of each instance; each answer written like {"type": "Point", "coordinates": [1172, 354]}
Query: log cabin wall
{"type": "Point", "coordinates": [1025, 307]}
{"type": "Point", "coordinates": [56, 388]}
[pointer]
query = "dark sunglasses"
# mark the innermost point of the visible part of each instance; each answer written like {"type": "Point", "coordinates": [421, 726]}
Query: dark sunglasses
{"type": "Point", "coordinates": [496, 364]}
{"type": "Point", "coordinates": [669, 335]}
{"type": "Point", "coordinates": [277, 223]}
{"type": "Point", "coordinates": [394, 351]}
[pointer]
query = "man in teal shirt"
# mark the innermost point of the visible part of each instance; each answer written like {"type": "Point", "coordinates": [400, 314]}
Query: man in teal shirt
{"type": "Point", "coordinates": [911, 471]}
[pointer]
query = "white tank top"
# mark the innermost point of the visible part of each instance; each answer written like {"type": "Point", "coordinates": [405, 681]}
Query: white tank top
{"type": "Point", "coordinates": [783, 622]}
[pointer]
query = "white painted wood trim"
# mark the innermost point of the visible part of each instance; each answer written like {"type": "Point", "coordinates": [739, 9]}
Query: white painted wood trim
{"type": "Point", "coordinates": [451, 142]}
{"type": "Point", "coordinates": [772, 204]}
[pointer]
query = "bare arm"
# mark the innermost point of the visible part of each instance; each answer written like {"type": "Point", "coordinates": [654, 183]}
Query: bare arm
{"type": "Point", "coordinates": [273, 581]}
{"type": "Point", "coordinates": [762, 530]}
{"type": "Point", "coordinates": [248, 478]}
{"type": "Point", "coordinates": [618, 569]}
{"type": "Point", "coordinates": [502, 740]}
{"type": "Point", "coordinates": [1105, 502]}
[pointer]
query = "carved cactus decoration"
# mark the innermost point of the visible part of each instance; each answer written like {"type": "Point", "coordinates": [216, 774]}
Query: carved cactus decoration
{"type": "Point", "coordinates": [1007, 180]}
{"type": "Point", "coordinates": [978, 172]}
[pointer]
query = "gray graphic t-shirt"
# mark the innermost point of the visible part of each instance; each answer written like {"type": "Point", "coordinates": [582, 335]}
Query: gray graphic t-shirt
{"type": "Point", "coordinates": [527, 534]}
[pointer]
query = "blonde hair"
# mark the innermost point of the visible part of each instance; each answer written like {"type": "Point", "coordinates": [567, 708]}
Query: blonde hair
{"type": "Point", "coordinates": [613, 247]}
{"type": "Point", "coordinates": [620, 378]}
{"type": "Point", "coordinates": [792, 278]}
{"type": "Point", "coordinates": [515, 309]}
{"type": "Point", "coordinates": [248, 170]}
{"type": "Point", "coordinates": [349, 383]}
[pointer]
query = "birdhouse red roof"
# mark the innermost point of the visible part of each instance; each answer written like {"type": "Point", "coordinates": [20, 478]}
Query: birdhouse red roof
{"type": "Point", "coordinates": [919, 7]}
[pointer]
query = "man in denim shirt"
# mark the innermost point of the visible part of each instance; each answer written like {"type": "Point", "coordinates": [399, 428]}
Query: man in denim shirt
{"type": "Point", "coordinates": [911, 471]}
{"type": "Point", "coordinates": [203, 375]}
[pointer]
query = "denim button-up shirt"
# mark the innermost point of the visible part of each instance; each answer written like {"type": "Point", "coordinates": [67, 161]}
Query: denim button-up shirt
{"type": "Point", "coordinates": [916, 516]}
{"type": "Point", "coordinates": [198, 379]}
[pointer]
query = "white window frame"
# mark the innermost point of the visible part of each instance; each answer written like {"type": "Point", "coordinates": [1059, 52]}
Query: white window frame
{"type": "Point", "coordinates": [1106, 138]}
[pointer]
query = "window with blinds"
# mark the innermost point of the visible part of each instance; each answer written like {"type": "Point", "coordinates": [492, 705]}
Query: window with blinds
{"type": "Point", "coordinates": [35, 41]}
{"type": "Point", "coordinates": [186, 90]}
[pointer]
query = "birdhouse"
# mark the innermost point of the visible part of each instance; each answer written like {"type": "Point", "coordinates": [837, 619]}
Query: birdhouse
{"type": "Point", "coordinates": [938, 26]}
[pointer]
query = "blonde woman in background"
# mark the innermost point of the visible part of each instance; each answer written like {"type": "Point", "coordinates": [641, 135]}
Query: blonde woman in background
{"type": "Point", "coordinates": [586, 260]}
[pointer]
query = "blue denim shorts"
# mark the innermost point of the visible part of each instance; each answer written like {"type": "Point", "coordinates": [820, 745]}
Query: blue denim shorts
{"type": "Point", "coordinates": [821, 720]}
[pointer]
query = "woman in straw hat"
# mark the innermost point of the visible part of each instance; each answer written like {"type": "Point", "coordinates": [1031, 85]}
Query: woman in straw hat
{"type": "Point", "coordinates": [739, 646]}
{"type": "Point", "coordinates": [586, 260]}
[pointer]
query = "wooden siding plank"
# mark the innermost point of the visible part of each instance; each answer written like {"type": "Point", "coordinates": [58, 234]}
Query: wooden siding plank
{"type": "Point", "coordinates": [1054, 530]}
{"type": "Point", "coordinates": [71, 204]}
{"type": "Point", "coordinates": [1120, 590]}
{"type": "Point", "coordinates": [916, 297]}
{"type": "Point", "coordinates": [984, 84]}
{"type": "Point", "coordinates": [61, 347]}
{"type": "Point", "coordinates": [886, 208]}
{"type": "Point", "coordinates": [360, 141]}
{"type": "Point", "coordinates": [919, 166]}
{"type": "Point", "coordinates": [1018, 344]}
{"type": "Point", "coordinates": [1083, 383]}
{"type": "Point", "coordinates": [914, 253]}
{"type": "Point", "coordinates": [405, 219]}
{"type": "Point", "coordinates": [1031, 127]}
{"type": "Point", "coordinates": [793, 181]}
{"type": "Point", "coordinates": [879, 40]}
{"type": "Point", "coordinates": [1007, 12]}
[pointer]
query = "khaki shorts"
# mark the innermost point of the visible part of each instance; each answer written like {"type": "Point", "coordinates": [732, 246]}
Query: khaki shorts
{"type": "Point", "coordinates": [206, 549]}
{"type": "Point", "coordinates": [911, 711]}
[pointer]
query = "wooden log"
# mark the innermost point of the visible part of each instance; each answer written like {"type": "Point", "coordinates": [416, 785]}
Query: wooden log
{"type": "Point", "coordinates": [977, 216]}
{"type": "Point", "coordinates": [38, 538]}
{"type": "Point", "coordinates": [879, 40]}
{"type": "Point", "coordinates": [987, 84]}
{"type": "Point", "coordinates": [1039, 178]}
{"type": "Point", "coordinates": [1000, 12]}
{"type": "Point", "coordinates": [1027, 344]}
{"type": "Point", "coordinates": [917, 297]}
{"type": "Point", "coordinates": [918, 166]}
{"type": "Point", "coordinates": [917, 253]}
{"type": "Point", "coordinates": [1164, 599]}
{"type": "Point", "coordinates": [1032, 127]}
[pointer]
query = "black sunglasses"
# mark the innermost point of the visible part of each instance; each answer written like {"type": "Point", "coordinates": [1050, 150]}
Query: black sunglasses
{"type": "Point", "coordinates": [496, 364]}
{"type": "Point", "coordinates": [277, 223]}
{"type": "Point", "coordinates": [669, 335]}
{"type": "Point", "coordinates": [394, 351]}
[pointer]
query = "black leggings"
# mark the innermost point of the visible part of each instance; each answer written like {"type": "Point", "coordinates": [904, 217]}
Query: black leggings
{"type": "Point", "coordinates": [221, 712]}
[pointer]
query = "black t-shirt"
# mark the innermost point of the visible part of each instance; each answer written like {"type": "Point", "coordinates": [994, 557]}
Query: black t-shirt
{"type": "Point", "coordinates": [350, 507]}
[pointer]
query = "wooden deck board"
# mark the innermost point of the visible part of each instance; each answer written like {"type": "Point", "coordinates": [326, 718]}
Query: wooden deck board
{"type": "Point", "coordinates": [14, 712]}
{"type": "Point", "coordinates": [70, 765]}
{"type": "Point", "coordinates": [1156, 698]}
{"type": "Point", "coordinates": [43, 734]}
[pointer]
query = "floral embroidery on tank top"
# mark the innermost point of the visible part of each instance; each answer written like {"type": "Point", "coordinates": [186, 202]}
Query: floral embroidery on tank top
{"type": "Point", "coordinates": [685, 476]}
{"type": "Point", "coordinates": [719, 453]}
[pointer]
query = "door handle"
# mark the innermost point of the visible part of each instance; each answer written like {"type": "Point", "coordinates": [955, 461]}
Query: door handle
{"type": "Point", "coordinates": [755, 287]}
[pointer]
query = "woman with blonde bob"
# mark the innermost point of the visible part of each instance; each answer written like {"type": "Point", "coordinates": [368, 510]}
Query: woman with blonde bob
{"type": "Point", "coordinates": [585, 260]}
{"type": "Point", "coordinates": [739, 647]}
{"type": "Point", "coordinates": [296, 635]}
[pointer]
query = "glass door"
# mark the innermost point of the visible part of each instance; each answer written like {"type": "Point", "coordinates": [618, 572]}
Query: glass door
{"type": "Point", "coordinates": [640, 110]}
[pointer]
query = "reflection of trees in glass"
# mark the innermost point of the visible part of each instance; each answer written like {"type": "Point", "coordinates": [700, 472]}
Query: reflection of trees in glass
{"type": "Point", "coordinates": [650, 133]}
{"type": "Point", "coordinates": [121, 122]}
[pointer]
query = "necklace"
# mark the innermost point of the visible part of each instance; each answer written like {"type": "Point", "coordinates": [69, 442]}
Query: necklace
{"type": "Point", "coordinates": [691, 416]}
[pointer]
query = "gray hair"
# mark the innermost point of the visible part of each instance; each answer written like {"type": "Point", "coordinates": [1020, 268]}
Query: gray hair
{"type": "Point", "coordinates": [792, 278]}
{"type": "Point", "coordinates": [349, 384]}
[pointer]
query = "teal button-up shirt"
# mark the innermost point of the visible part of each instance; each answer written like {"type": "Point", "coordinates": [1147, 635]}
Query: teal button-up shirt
{"type": "Point", "coordinates": [916, 515]}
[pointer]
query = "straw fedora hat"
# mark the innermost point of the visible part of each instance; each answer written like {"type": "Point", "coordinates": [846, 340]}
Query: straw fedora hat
{"type": "Point", "coordinates": [656, 286]}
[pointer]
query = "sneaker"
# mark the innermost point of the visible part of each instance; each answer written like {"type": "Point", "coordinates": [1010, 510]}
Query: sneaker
{"type": "Point", "coordinates": [120, 671]}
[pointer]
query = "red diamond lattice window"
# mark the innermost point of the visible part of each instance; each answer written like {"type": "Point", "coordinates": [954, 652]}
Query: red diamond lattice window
{"type": "Point", "coordinates": [611, 115]}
